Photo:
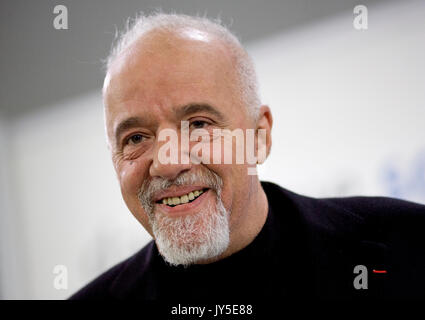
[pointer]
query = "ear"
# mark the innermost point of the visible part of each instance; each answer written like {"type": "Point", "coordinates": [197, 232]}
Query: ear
{"type": "Point", "coordinates": [264, 137]}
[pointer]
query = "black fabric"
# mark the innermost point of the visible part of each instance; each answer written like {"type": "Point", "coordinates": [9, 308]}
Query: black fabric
{"type": "Point", "coordinates": [307, 249]}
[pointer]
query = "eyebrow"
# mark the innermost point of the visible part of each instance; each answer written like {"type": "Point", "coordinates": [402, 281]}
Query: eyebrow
{"type": "Point", "coordinates": [199, 107]}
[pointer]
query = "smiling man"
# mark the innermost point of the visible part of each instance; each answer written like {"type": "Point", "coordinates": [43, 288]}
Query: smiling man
{"type": "Point", "coordinates": [218, 232]}
{"type": "Point", "coordinates": [154, 83]}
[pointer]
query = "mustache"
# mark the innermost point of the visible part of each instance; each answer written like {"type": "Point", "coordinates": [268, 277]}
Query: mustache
{"type": "Point", "coordinates": [153, 185]}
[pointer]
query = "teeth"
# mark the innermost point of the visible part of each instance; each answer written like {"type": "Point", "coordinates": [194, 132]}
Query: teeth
{"type": "Point", "coordinates": [184, 199]}
{"type": "Point", "coordinates": [174, 201]}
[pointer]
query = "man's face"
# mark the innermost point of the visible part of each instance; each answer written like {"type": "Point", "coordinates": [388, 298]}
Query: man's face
{"type": "Point", "coordinates": [160, 81]}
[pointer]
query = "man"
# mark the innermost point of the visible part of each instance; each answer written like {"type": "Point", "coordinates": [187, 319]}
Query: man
{"type": "Point", "coordinates": [219, 233]}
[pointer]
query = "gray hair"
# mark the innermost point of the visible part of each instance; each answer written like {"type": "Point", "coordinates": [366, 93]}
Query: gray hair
{"type": "Point", "coordinates": [142, 24]}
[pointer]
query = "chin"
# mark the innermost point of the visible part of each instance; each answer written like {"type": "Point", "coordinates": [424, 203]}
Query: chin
{"type": "Point", "coordinates": [194, 238]}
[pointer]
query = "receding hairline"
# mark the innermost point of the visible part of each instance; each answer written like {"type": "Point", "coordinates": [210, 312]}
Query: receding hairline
{"type": "Point", "coordinates": [175, 23]}
{"type": "Point", "coordinates": [155, 42]}
{"type": "Point", "coordinates": [142, 25]}
{"type": "Point", "coordinates": [177, 39]}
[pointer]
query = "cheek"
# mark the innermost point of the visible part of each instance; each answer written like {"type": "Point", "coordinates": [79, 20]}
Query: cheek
{"type": "Point", "coordinates": [235, 184]}
{"type": "Point", "coordinates": [131, 175]}
{"type": "Point", "coordinates": [238, 185]}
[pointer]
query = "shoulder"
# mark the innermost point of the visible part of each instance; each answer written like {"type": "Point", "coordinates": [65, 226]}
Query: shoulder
{"type": "Point", "coordinates": [377, 232]}
{"type": "Point", "coordinates": [386, 220]}
{"type": "Point", "coordinates": [359, 209]}
{"type": "Point", "coordinates": [383, 215]}
{"type": "Point", "coordinates": [108, 284]}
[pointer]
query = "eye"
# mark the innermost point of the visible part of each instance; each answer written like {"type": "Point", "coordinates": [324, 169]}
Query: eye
{"type": "Point", "coordinates": [135, 139]}
{"type": "Point", "coordinates": [198, 124]}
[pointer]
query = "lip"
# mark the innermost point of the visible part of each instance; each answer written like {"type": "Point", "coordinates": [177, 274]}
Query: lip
{"type": "Point", "coordinates": [187, 208]}
{"type": "Point", "coordinates": [176, 192]}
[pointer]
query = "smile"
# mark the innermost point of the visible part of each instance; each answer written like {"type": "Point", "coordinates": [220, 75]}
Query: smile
{"type": "Point", "coordinates": [186, 198]}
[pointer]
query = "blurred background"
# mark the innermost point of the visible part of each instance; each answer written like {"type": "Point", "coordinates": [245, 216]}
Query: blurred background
{"type": "Point", "coordinates": [348, 106]}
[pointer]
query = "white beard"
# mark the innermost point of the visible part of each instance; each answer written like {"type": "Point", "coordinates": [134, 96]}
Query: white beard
{"type": "Point", "coordinates": [193, 238]}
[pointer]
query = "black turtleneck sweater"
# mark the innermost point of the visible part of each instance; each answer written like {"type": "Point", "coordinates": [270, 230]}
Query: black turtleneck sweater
{"type": "Point", "coordinates": [308, 248]}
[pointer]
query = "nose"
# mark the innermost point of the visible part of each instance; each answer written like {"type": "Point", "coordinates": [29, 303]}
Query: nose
{"type": "Point", "coordinates": [169, 157]}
